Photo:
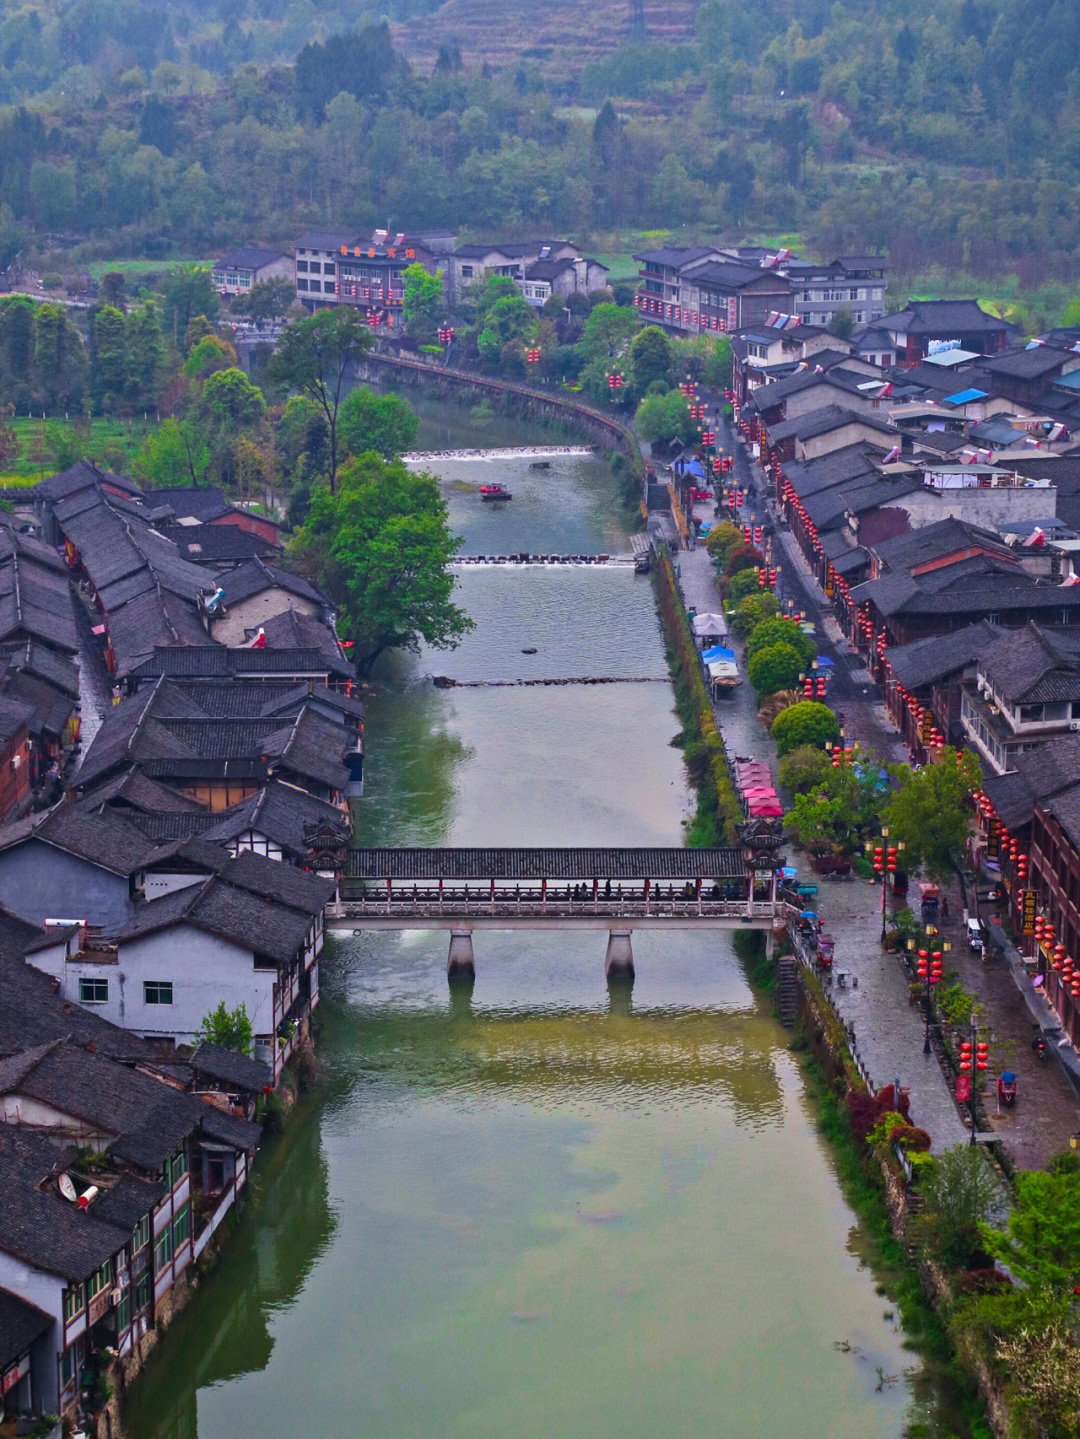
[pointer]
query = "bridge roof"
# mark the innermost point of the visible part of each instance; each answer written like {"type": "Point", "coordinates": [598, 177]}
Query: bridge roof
{"type": "Point", "coordinates": [552, 864]}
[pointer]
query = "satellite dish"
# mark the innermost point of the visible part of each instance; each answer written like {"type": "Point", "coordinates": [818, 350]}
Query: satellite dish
{"type": "Point", "coordinates": [67, 1189]}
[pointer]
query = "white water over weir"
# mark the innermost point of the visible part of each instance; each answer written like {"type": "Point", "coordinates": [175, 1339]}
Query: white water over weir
{"type": "Point", "coordinates": [522, 452]}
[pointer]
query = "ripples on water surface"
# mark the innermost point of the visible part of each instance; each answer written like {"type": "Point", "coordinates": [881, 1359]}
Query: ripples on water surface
{"type": "Point", "coordinates": [546, 1211]}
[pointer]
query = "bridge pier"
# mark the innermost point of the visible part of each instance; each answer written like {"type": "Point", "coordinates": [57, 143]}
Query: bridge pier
{"type": "Point", "coordinates": [460, 962]}
{"type": "Point", "coordinates": [619, 958]}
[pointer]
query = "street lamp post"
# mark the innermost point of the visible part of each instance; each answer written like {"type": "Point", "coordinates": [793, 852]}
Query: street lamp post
{"type": "Point", "coordinates": [928, 969]}
{"type": "Point", "coordinates": [974, 1062]}
{"type": "Point", "coordinates": [886, 860]}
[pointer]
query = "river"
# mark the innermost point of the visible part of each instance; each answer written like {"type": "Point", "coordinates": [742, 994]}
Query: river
{"type": "Point", "coordinates": [542, 1211]}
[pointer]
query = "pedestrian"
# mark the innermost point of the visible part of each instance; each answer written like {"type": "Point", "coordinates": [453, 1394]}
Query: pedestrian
{"type": "Point", "coordinates": [944, 906]}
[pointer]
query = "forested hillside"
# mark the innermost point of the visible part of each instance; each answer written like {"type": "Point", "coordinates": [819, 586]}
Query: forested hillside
{"type": "Point", "coordinates": [946, 131]}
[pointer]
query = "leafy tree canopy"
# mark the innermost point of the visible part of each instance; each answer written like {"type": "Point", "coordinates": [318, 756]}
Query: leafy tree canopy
{"type": "Point", "coordinates": [805, 723]}
{"type": "Point", "coordinates": [386, 424]}
{"type": "Point", "coordinates": [381, 547]}
{"type": "Point", "coordinates": [230, 1028]}
{"type": "Point", "coordinates": [931, 812]}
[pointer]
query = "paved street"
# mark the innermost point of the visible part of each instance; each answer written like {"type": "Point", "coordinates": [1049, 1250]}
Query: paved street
{"type": "Point", "coordinates": [888, 1029]}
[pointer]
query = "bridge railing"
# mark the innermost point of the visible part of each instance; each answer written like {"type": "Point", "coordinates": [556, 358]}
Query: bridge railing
{"type": "Point", "coordinates": [422, 902]}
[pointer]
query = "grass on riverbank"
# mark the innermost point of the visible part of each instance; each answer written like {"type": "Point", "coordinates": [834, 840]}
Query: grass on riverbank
{"type": "Point", "coordinates": [46, 446]}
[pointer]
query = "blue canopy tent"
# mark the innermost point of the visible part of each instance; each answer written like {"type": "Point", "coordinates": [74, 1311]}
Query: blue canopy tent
{"type": "Point", "coordinates": [717, 653]}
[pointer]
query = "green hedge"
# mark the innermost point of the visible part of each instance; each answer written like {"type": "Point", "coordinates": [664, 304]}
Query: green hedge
{"type": "Point", "coordinates": [719, 811]}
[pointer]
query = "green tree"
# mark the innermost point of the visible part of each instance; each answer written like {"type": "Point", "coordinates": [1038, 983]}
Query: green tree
{"type": "Point", "coordinates": [960, 1193]}
{"type": "Point", "coordinates": [774, 667]}
{"type": "Point", "coordinates": [723, 540]}
{"type": "Point", "coordinates": [174, 454]}
{"type": "Point", "coordinates": [508, 319]}
{"type": "Point", "coordinates": [316, 356]}
{"type": "Point", "coordinates": [1040, 1243]}
{"type": "Point", "coordinates": [108, 359]}
{"type": "Point", "coordinates": [804, 769]}
{"type": "Point", "coordinates": [381, 547]}
{"type": "Point", "coordinates": [229, 1028]}
{"type": "Point", "coordinates": [609, 330]}
{"type": "Point", "coordinates": [187, 291]}
{"type": "Point", "coordinates": [749, 612]}
{"type": "Point", "coordinates": [209, 354]}
{"type": "Point", "coordinates": [267, 299]}
{"type": "Point", "coordinates": [780, 631]}
{"type": "Point", "coordinates": [424, 304]}
{"type": "Point", "coordinates": [144, 356]}
{"type": "Point", "coordinates": [660, 419]}
{"type": "Point", "coordinates": [742, 584]}
{"type": "Point", "coordinates": [230, 401]}
{"type": "Point", "coordinates": [805, 723]}
{"type": "Point", "coordinates": [931, 812]}
{"type": "Point", "coordinates": [386, 424]}
{"type": "Point", "coordinates": [650, 356]}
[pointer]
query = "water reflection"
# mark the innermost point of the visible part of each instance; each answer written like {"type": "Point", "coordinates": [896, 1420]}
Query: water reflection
{"type": "Point", "coordinates": [225, 1333]}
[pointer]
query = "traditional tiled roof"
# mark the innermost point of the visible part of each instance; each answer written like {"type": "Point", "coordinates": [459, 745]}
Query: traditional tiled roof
{"type": "Point", "coordinates": [924, 662]}
{"type": "Point", "coordinates": [198, 502]}
{"type": "Point", "coordinates": [21, 1323]}
{"type": "Point", "coordinates": [1029, 666]}
{"type": "Point", "coordinates": [293, 661]}
{"type": "Point", "coordinates": [536, 864]}
{"type": "Point", "coordinates": [250, 257]}
{"type": "Point", "coordinates": [294, 628]}
{"type": "Point", "coordinates": [36, 603]}
{"type": "Point", "coordinates": [219, 544]}
{"type": "Point", "coordinates": [106, 840]}
{"type": "Point", "coordinates": [253, 923]}
{"type": "Point", "coordinates": [36, 1225]}
{"type": "Point", "coordinates": [227, 1067]}
{"type": "Point", "coordinates": [937, 317]}
{"type": "Point", "coordinates": [824, 421]}
{"type": "Point", "coordinates": [907, 552]}
{"type": "Point", "coordinates": [252, 579]}
{"type": "Point", "coordinates": [32, 658]}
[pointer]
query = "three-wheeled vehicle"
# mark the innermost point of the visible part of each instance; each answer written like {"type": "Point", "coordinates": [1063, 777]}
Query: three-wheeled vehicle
{"type": "Point", "coordinates": [825, 948]}
{"type": "Point", "coordinates": [975, 935]}
{"type": "Point", "coordinates": [1006, 1088]}
{"type": "Point", "coordinates": [929, 901]}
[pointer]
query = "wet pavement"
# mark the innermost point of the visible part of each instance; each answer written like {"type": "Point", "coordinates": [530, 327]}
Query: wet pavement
{"type": "Point", "coordinates": [95, 685]}
{"type": "Point", "coordinates": [870, 989]}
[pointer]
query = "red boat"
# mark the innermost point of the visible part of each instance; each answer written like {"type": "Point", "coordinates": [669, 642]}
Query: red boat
{"type": "Point", "coordinates": [495, 492]}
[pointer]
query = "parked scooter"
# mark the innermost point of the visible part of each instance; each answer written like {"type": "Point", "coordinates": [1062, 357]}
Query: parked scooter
{"type": "Point", "coordinates": [1038, 1044]}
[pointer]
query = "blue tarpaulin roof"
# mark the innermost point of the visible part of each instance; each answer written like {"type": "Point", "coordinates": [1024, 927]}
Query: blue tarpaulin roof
{"type": "Point", "coordinates": [693, 467]}
{"type": "Point", "coordinates": [717, 653]}
{"type": "Point", "coordinates": [965, 397]}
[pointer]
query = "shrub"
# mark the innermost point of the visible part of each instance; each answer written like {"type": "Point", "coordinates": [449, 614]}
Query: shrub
{"type": "Point", "coordinates": [743, 584]}
{"type": "Point", "coordinates": [780, 631]}
{"type": "Point", "coordinates": [910, 1139]}
{"type": "Point", "coordinates": [805, 723]}
{"type": "Point", "coordinates": [745, 557]}
{"type": "Point", "coordinates": [803, 769]}
{"type": "Point", "coordinates": [776, 667]}
{"type": "Point", "coordinates": [749, 612]}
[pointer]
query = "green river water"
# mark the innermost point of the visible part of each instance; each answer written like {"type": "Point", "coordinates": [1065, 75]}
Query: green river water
{"type": "Point", "coordinates": [544, 1211]}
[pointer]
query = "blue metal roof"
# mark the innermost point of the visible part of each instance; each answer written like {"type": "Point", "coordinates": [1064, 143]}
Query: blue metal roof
{"type": "Point", "coordinates": [965, 397]}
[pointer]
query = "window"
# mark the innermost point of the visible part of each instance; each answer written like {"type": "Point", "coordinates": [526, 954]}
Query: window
{"type": "Point", "coordinates": [142, 1290]}
{"type": "Point", "coordinates": [466, 272]}
{"type": "Point", "coordinates": [178, 1168]}
{"type": "Point", "coordinates": [123, 1312]}
{"type": "Point", "coordinates": [163, 1249]}
{"type": "Point", "coordinates": [93, 991]}
{"type": "Point", "coordinates": [157, 991]}
{"type": "Point", "coordinates": [68, 1365]}
{"type": "Point", "coordinates": [301, 284]}
{"type": "Point", "coordinates": [141, 1237]}
{"type": "Point", "coordinates": [181, 1227]}
{"type": "Point", "coordinates": [99, 1281]}
{"type": "Point", "coordinates": [219, 277]}
{"type": "Point", "coordinates": [73, 1301]}
{"type": "Point", "coordinates": [245, 282]}
{"type": "Point", "coordinates": [302, 265]}
{"type": "Point", "coordinates": [328, 286]}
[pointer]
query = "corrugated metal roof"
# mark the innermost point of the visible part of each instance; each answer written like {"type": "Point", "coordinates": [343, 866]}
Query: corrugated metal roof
{"type": "Point", "coordinates": [537, 864]}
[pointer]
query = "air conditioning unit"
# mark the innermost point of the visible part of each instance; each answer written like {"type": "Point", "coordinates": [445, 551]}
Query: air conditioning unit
{"type": "Point", "coordinates": [1074, 725]}
{"type": "Point", "coordinates": [115, 1296]}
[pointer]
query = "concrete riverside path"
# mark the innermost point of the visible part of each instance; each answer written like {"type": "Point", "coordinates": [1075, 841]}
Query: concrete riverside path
{"type": "Point", "coordinates": [888, 1030]}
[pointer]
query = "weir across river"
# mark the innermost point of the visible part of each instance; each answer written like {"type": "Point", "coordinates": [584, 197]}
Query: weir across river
{"type": "Point", "coordinates": [618, 890]}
